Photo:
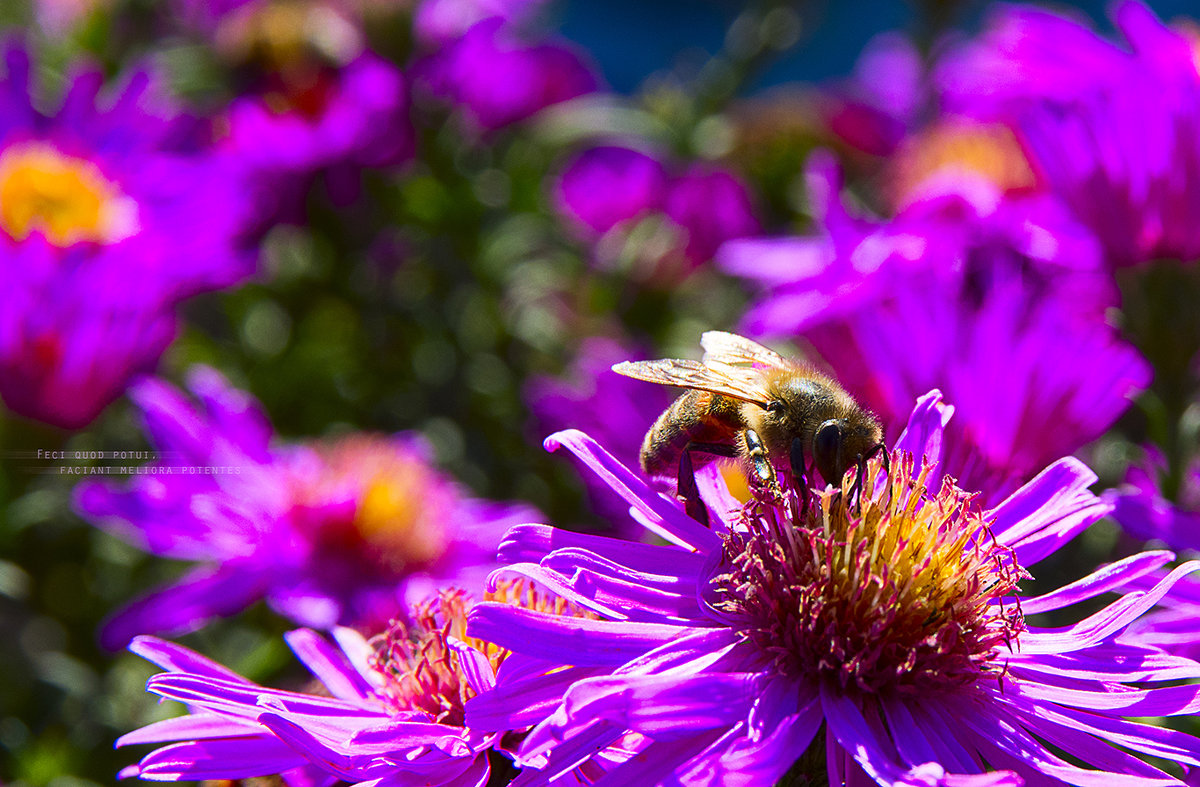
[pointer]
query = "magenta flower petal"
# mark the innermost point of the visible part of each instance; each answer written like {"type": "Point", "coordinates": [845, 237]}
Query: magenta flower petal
{"type": "Point", "coordinates": [198, 726]}
{"type": "Point", "coordinates": [1110, 577]}
{"type": "Point", "coordinates": [328, 665]}
{"type": "Point", "coordinates": [712, 206]}
{"type": "Point", "coordinates": [632, 488]}
{"type": "Point", "coordinates": [922, 436]}
{"type": "Point", "coordinates": [536, 634]}
{"type": "Point", "coordinates": [176, 658]}
{"type": "Point", "coordinates": [531, 542]}
{"type": "Point", "coordinates": [1097, 627]}
{"type": "Point", "coordinates": [236, 758]}
{"type": "Point", "coordinates": [201, 595]}
{"type": "Point", "coordinates": [398, 716]}
{"type": "Point", "coordinates": [713, 701]}
{"type": "Point", "coordinates": [498, 80]}
{"type": "Point", "coordinates": [1048, 511]}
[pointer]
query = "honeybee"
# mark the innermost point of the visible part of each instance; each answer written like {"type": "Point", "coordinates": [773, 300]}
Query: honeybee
{"type": "Point", "coordinates": [747, 401]}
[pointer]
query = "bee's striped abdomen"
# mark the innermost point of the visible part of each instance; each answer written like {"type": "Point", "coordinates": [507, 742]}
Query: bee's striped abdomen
{"type": "Point", "coordinates": [696, 416]}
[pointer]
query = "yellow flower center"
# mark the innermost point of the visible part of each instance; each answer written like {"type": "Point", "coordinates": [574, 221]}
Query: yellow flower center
{"type": "Point", "coordinates": [66, 199]}
{"type": "Point", "coordinates": [396, 503]}
{"type": "Point", "coordinates": [423, 673]}
{"type": "Point", "coordinates": [904, 591]}
{"type": "Point", "coordinates": [986, 150]}
{"type": "Point", "coordinates": [394, 518]}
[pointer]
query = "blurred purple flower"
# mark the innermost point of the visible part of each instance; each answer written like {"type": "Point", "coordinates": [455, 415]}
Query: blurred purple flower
{"type": "Point", "coordinates": [958, 155]}
{"type": "Point", "coordinates": [894, 624]}
{"type": "Point", "coordinates": [109, 216]}
{"type": "Point", "coordinates": [1115, 133]}
{"type": "Point", "coordinates": [607, 185]}
{"type": "Point", "coordinates": [604, 190]}
{"type": "Point", "coordinates": [1142, 511]}
{"type": "Point", "coordinates": [592, 396]}
{"type": "Point", "coordinates": [998, 302]}
{"type": "Point", "coordinates": [498, 80]}
{"type": "Point", "coordinates": [332, 120]}
{"type": "Point", "coordinates": [340, 532]}
{"type": "Point", "coordinates": [873, 110]}
{"type": "Point", "coordinates": [438, 23]}
{"type": "Point", "coordinates": [711, 206]}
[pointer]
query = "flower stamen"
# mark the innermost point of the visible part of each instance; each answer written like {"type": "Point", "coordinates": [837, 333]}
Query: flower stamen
{"type": "Point", "coordinates": [422, 672]}
{"type": "Point", "coordinates": [891, 590]}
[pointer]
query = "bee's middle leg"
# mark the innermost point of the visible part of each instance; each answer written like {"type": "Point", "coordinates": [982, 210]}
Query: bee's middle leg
{"type": "Point", "coordinates": [686, 482]}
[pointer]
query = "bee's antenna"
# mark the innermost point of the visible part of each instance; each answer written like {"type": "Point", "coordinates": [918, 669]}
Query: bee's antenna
{"type": "Point", "coordinates": [885, 459]}
{"type": "Point", "coordinates": [860, 472]}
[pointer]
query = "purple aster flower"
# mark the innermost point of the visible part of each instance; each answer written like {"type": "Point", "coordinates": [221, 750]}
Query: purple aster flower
{"type": "Point", "coordinates": [387, 711]}
{"type": "Point", "coordinates": [605, 191]}
{"type": "Point", "coordinates": [608, 185]}
{"type": "Point", "coordinates": [498, 80]}
{"type": "Point", "coordinates": [873, 110]}
{"type": "Point", "coordinates": [344, 531]}
{"type": "Point", "coordinates": [998, 302]}
{"type": "Point", "coordinates": [1114, 132]}
{"type": "Point", "coordinates": [108, 218]}
{"type": "Point", "coordinates": [331, 120]}
{"type": "Point", "coordinates": [711, 206]}
{"type": "Point", "coordinates": [880, 641]}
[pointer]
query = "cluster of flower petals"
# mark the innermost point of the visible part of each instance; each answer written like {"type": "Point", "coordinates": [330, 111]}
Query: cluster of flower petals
{"type": "Point", "coordinates": [336, 532]}
{"type": "Point", "coordinates": [110, 215]}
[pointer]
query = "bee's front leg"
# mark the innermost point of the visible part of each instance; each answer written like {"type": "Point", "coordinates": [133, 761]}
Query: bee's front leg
{"type": "Point", "coordinates": [760, 463]}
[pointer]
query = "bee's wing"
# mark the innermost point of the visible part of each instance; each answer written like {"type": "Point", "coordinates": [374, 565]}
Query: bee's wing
{"type": "Point", "coordinates": [729, 348]}
{"type": "Point", "coordinates": [738, 382]}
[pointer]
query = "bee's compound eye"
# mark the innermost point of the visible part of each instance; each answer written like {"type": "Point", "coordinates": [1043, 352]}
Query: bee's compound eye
{"type": "Point", "coordinates": [828, 438]}
{"type": "Point", "coordinates": [827, 451]}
